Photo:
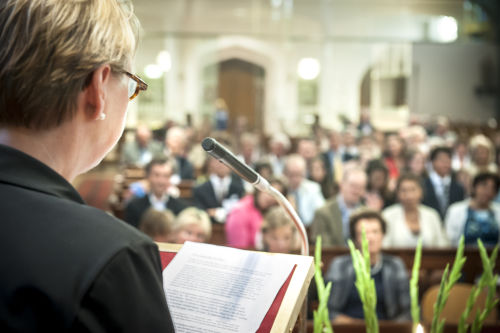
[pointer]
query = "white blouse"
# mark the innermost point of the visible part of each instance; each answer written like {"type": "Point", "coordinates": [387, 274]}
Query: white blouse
{"type": "Point", "coordinates": [398, 234]}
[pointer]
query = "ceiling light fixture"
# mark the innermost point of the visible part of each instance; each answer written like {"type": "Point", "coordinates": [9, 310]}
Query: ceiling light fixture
{"type": "Point", "coordinates": [308, 68]}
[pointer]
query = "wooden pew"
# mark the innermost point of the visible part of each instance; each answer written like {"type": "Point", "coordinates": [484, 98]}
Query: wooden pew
{"type": "Point", "coordinates": [218, 234]}
{"type": "Point", "coordinates": [432, 265]}
{"type": "Point", "coordinates": [394, 327]}
{"type": "Point", "coordinates": [432, 259]}
{"type": "Point", "coordinates": [128, 176]}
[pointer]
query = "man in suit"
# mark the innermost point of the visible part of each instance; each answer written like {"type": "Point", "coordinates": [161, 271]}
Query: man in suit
{"type": "Point", "coordinates": [331, 221]}
{"type": "Point", "coordinates": [333, 158]}
{"type": "Point", "coordinates": [175, 147]}
{"type": "Point", "coordinates": [158, 173]}
{"type": "Point", "coordinates": [305, 193]}
{"type": "Point", "coordinates": [441, 188]}
{"type": "Point", "coordinates": [142, 150]}
{"type": "Point", "coordinates": [220, 192]}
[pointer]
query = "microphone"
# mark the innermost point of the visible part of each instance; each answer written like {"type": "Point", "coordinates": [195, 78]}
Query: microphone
{"type": "Point", "coordinates": [221, 153]}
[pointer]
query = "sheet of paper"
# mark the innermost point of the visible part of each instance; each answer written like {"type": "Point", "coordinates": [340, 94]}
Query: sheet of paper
{"type": "Point", "coordinates": [218, 289]}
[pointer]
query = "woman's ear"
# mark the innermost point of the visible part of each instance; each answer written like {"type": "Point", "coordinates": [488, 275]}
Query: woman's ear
{"type": "Point", "coordinates": [95, 92]}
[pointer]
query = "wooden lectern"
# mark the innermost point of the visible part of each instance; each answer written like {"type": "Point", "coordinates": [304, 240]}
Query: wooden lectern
{"type": "Point", "coordinates": [284, 311]}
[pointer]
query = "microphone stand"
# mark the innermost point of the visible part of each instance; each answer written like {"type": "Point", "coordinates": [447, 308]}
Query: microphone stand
{"type": "Point", "coordinates": [263, 185]}
{"type": "Point", "coordinates": [221, 153]}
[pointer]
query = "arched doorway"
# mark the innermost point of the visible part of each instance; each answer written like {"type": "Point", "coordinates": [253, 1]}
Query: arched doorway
{"type": "Point", "coordinates": [241, 85]}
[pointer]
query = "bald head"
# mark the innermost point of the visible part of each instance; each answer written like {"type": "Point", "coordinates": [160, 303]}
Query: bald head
{"type": "Point", "coordinates": [176, 140]}
{"type": "Point", "coordinates": [295, 170]}
{"type": "Point", "coordinates": [353, 186]}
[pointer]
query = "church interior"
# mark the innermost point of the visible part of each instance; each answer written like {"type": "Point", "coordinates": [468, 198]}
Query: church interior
{"type": "Point", "coordinates": [388, 87]}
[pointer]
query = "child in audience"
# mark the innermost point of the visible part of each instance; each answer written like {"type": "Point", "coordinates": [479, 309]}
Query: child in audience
{"type": "Point", "coordinates": [244, 222]}
{"type": "Point", "coordinates": [279, 234]}
{"type": "Point", "coordinates": [192, 224]}
{"type": "Point", "coordinates": [157, 224]}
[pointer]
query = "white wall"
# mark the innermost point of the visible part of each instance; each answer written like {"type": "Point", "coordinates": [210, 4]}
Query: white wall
{"type": "Point", "coordinates": [444, 79]}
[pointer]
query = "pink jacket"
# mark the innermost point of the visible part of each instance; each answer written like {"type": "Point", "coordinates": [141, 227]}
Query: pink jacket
{"type": "Point", "coordinates": [243, 224]}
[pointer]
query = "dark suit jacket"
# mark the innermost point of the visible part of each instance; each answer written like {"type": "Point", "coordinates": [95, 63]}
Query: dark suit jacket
{"type": "Point", "coordinates": [328, 165]}
{"type": "Point", "coordinates": [68, 267]}
{"type": "Point", "coordinates": [327, 222]}
{"type": "Point", "coordinates": [204, 194]}
{"type": "Point", "coordinates": [186, 170]}
{"type": "Point", "coordinates": [430, 199]}
{"type": "Point", "coordinates": [137, 206]}
{"type": "Point", "coordinates": [395, 285]}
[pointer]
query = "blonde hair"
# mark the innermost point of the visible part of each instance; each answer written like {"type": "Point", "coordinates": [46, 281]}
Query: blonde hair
{"type": "Point", "coordinates": [50, 49]}
{"type": "Point", "coordinates": [276, 218]}
{"type": "Point", "coordinates": [481, 140]}
{"type": "Point", "coordinates": [156, 223]}
{"type": "Point", "coordinates": [193, 215]}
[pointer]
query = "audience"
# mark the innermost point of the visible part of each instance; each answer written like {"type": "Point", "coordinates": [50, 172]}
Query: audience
{"type": "Point", "coordinates": [319, 175]}
{"type": "Point", "coordinates": [220, 192]}
{"type": "Point", "coordinates": [482, 155]}
{"type": "Point", "coordinates": [175, 147]}
{"type": "Point", "coordinates": [142, 150]}
{"type": "Point", "coordinates": [192, 224]}
{"type": "Point", "coordinates": [415, 162]}
{"type": "Point", "coordinates": [394, 158]}
{"type": "Point", "coordinates": [377, 189]}
{"type": "Point", "coordinates": [306, 147]}
{"type": "Point", "coordinates": [388, 272]}
{"type": "Point", "coordinates": [349, 149]}
{"type": "Point", "coordinates": [249, 149]}
{"type": "Point", "coordinates": [157, 224]}
{"type": "Point", "coordinates": [461, 158]}
{"type": "Point", "coordinates": [409, 220]}
{"type": "Point", "coordinates": [441, 188]}
{"type": "Point", "coordinates": [244, 221]}
{"type": "Point", "coordinates": [333, 158]}
{"type": "Point", "coordinates": [158, 173]}
{"type": "Point", "coordinates": [477, 217]}
{"type": "Point", "coordinates": [331, 221]}
{"type": "Point", "coordinates": [304, 194]}
{"type": "Point", "coordinates": [279, 146]}
{"type": "Point", "coordinates": [427, 186]}
{"type": "Point", "coordinates": [279, 234]}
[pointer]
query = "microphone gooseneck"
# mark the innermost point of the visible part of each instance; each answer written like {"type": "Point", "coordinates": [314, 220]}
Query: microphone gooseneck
{"type": "Point", "coordinates": [221, 153]}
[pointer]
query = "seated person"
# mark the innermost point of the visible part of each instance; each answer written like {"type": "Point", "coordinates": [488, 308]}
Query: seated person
{"type": "Point", "coordinates": [175, 147]}
{"type": "Point", "coordinates": [192, 225]}
{"type": "Point", "coordinates": [477, 217]}
{"type": "Point", "coordinates": [157, 224]}
{"type": "Point", "coordinates": [303, 193]}
{"type": "Point", "coordinates": [409, 220]}
{"type": "Point", "coordinates": [142, 150]}
{"type": "Point", "coordinates": [220, 192]}
{"type": "Point", "coordinates": [388, 272]}
{"type": "Point", "coordinates": [158, 173]}
{"type": "Point", "coordinates": [331, 221]}
{"type": "Point", "coordinates": [245, 220]}
{"type": "Point", "coordinates": [279, 234]}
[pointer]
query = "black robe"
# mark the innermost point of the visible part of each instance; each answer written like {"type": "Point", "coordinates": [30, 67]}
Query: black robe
{"type": "Point", "coordinates": [67, 266]}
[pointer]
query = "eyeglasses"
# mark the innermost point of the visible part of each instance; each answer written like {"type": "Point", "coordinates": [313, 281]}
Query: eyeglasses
{"type": "Point", "coordinates": [135, 85]}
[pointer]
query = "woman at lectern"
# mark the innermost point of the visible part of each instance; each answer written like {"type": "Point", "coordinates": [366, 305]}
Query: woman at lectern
{"type": "Point", "coordinates": [65, 84]}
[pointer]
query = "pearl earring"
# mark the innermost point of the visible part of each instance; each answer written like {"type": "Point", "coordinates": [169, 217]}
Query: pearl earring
{"type": "Point", "coordinates": [101, 116]}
